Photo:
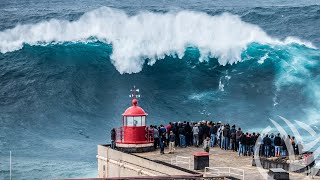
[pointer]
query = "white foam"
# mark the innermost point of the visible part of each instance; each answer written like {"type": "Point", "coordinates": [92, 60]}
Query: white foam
{"type": "Point", "coordinates": [261, 60]}
{"type": "Point", "coordinates": [147, 35]}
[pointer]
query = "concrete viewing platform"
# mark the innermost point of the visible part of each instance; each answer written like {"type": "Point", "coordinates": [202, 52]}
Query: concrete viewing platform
{"type": "Point", "coordinates": [218, 158]}
{"type": "Point", "coordinates": [113, 163]}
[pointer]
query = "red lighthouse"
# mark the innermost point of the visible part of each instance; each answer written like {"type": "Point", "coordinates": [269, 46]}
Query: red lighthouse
{"type": "Point", "coordinates": [134, 135]}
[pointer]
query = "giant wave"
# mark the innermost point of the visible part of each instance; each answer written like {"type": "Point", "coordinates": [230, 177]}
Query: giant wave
{"type": "Point", "coordinates": [148, 35]}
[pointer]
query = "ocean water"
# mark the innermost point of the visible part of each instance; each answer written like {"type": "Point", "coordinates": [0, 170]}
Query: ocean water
{"type": "Point", "coordinates": [66, 68]}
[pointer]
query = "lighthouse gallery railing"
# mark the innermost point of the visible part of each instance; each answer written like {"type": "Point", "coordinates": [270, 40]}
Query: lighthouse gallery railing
{"type": "Point", "coordinates": [149, 135]}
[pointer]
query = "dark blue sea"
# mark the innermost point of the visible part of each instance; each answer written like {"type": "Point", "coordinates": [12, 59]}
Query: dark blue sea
{"type": "Point", "coordinates": [66, 68]}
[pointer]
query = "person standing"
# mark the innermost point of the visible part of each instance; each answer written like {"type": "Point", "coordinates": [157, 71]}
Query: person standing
{"type": "Point", "coordinates": [272, 147]}
{"type": "Point", "coordinates": [233, 140]}
{"type": "Point", "coordinates": [247, 144]}
{"type": "Point", "coordinates": [259, 144]}
{"type": "Point", "coordinates": [182, 136]}
{"type": "Point", "coordinates": [200, 133]}
{"type": "Point", "coordinates": [232, 137]}
{"type": "Point", "coordinates": [277, 145]}
{"type": "Point", "coordinates": [176, 132]}
{"type": "Point", "coordinates": [172, 139]}
{"type": "Point", "coordinates": [161, 143]}
{"type": "Point", "coordinates": [213, 134]}
{"type": "Point", "coordinates": [188, 131]}
{"type": "Point", "coordinates": [238, 134]}
{"type": "Point", "coordinates": [242, 142]}
{"type": "Point", "coordinates": [284, 146]}
{"type": "Point", "coordinates": [253, 140]}
{"type": "Point", "coordinates": [163, 134]}
{"type": "Point", "coordinates": [113, 138]}
{"type": "Point", "coordinates": [221, 136]}
{"type": "Point", "coordinates": [156, 137]}
{"type": "Point", "coordinates": [162, 140]}
{"type": "Point", "coordinates": [168, 127]}
{"type": "Point", "coordinates": [206, 130]}
{"type": "Point", "coordinates": [226, 137]}
{"type": "Point", "coordinates": [267, 144]}
{"type": "Point", "coordinates": [195, 131]}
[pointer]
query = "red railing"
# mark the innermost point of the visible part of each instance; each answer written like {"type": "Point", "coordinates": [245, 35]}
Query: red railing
{"type": "Point", "coordinates": [150, 135]}
{"type": "Point", "coordinates": [120, 134]}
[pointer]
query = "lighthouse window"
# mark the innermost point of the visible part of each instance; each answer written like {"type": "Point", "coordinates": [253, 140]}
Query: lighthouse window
{"type": "Point", "coordinates": [143, 120]}
{"type": "Point", "coordinates": [137, 121]}
{"type": "Point", "coordinates": [129, 121]}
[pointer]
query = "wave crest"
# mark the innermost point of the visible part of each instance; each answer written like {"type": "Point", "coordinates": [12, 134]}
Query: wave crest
{"type": "Point", "coordinates": [147, 35]}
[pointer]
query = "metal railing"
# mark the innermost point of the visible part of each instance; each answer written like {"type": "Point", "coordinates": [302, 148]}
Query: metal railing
{"type": "Point", "coordinates": [120, 133]}
{"type": "Point", "coordinates": [181, 160]}
{"type": "Point", "coordinates": [150, 135]}
{"type": "Point", "coordinates": [223, 171]}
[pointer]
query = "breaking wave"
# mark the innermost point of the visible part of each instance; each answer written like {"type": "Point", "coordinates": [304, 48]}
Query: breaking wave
{"type": "Point", "coordinates": [148, 35]}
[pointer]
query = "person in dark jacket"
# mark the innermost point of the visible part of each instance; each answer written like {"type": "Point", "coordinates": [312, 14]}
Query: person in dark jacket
{"type": "Point", "coordinates": [233, 137]}
{"type": "Point", "coordinates": [283, 146]}
{"type": "Point", "coordinates": [272, 147]}
{"type": "Point", "coordinates": [113, 138]}
{"type": "Point", "coordinates": [213, 134]}
{"type": "Point", "coordinates": [162, 141]}
{"type": "Point", "coordinates": [242, 142]}
{"type": "Point", "coordinates": [226, 136]}
{"type": "Point", "coordinates": [252, 143]}
{"type": "Point", "coordinates": [206, 131]}
{"type": "Point", "coordinates": [182, 136]}
{"type": "Point", "coordinates": [277, 145]}
{"type": "Point", "coordinates": [176, 132]}
{"type": "Point", "coordinates": [200, 134]}
{"type": "Point", "coordinates": [162, 138]}
{"type": "Point", "coordinates": [267, 144]}
{"type": "Point", "coordinates": [247, 145]}
{"type": "Point", "coordinates": [188, 131]}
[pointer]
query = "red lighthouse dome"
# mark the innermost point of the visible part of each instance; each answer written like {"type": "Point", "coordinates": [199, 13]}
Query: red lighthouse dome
{"type": "Point", "coordinates": [134, 110]}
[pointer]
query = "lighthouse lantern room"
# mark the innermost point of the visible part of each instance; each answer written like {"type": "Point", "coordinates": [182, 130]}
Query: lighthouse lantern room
{"type": "Point", "coordinates": [134, 135]}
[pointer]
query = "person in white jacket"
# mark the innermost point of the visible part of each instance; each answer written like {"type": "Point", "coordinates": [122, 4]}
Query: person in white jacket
{"type": "Point", "coordinates": [220, 137]}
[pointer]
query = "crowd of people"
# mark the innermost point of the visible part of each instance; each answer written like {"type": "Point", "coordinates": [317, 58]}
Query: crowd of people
{"type": "Point", "coordinates": [208, 134]}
